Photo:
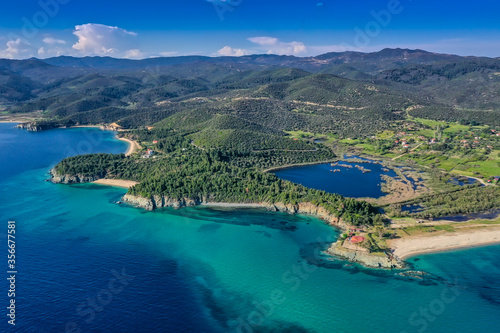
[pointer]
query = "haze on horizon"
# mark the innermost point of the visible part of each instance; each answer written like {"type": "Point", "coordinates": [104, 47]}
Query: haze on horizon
{"type": "Point", "coordinates": [138, 30]}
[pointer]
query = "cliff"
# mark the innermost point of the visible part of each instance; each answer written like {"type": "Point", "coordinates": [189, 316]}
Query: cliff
{"type": "Point", "coordinates": [157, 201]}
{"type": "Point", "coordinates": [37, 126]}
{"type": "Point", "coordinates": [58, 178]}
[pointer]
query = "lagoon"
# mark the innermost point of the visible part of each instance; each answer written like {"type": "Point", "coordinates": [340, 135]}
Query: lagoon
{"type": "Point", "coordinates": [348, 181]}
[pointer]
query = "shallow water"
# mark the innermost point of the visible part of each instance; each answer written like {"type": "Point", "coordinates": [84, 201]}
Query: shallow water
{"type": "Point", "coordinates": [207, 270]}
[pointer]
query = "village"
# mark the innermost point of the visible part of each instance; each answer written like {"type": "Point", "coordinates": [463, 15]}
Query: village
{"type": "Point", "coordinates": [470, 151]}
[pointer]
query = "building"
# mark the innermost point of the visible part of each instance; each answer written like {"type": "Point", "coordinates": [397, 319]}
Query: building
{"type": "Point", "coordinates": [148, 154]}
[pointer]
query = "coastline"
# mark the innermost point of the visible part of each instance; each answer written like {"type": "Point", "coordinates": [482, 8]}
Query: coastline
{"type": "Point", "coordinates": [116, 182]}
{"type": "Point", "coordinates": [133, 146]}
{"type": "Point", "coordinates": [405, 248]}
{"type": "Point", "coordinates": [300, 164]}
{"type": "Point", "coordinates": [231, 205]}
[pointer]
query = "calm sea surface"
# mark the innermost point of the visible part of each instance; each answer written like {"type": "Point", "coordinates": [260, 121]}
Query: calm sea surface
{"type": "Point", "coordinates": [348, 180]}
{"type": "Point", "coordinates": [86, 264]}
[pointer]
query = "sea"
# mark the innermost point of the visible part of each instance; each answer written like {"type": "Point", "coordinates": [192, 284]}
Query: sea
{"type": "Point", "coordinates": [86, 263]}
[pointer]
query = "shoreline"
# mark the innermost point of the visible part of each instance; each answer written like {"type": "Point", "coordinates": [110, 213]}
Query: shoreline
{"type": "Point", "coordinates": [288, 166]}
{"type": "Point", "coordinates": [409, 247]}
{"type": "Point", "coordinates": [231, 205]}
{"type": "Point", "coordinates": [132, 147]}
{"type": "Point", "coordinates": [116, 183]}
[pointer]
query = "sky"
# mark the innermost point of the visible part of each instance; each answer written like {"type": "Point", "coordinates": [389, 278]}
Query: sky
{"type": "Point", "coordinates": [150, 28]}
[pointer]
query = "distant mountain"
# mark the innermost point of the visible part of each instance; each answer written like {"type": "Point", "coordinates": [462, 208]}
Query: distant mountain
{"type": "Point", "coordinates": [38, 70]}
{"type": "Point", "coordinates": [347, 93]}
{"type": "Point", "coordinates": [370, 62]}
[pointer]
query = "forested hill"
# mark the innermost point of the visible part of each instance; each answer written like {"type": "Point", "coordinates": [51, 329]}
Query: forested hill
{"type": "Point", "coordinates": [349, 94]}
{"type": "Point", "coordinates": [216, 124]}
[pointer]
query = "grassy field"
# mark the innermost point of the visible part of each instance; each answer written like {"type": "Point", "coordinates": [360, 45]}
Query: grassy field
{"type": "Point", "coordinates": [307, 135]}
{"type": "Point", "coordinates": [449, 128]}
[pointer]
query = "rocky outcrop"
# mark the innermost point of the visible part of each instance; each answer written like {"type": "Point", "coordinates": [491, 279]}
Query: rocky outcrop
{"type": "Point", "coordinates": [156, 202]}
{"type": "Point", "coordinates": [58, 178]}
{"type": "Point", "coordinates": [37, 126]}
{"type": "Point", "coordinates": [306, 208]}
{"type": "Point", "coordinates": [365, 259]}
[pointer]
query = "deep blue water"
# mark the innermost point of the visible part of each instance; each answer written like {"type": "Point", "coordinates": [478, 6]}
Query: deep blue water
{"type": "Point", "coordinates": [205, 270]}
{"type": "Point", "coordinates": [349, 182]}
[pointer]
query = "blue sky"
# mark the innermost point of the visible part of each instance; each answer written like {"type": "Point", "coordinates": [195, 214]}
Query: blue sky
{"type": "Point", "coordinates": [147, 28]}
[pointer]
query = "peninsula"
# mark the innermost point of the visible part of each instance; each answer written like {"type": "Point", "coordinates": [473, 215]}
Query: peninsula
{"type": "Point", "coordinates": [211, 130]}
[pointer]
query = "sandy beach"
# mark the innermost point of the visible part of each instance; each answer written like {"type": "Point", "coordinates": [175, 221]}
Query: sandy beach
{"type": "Point", "coordinates": [133, 146]}
{"type": "Point", "coordinates": [116, 182]}
{"type": "Point", "coordinates": [411, 246]}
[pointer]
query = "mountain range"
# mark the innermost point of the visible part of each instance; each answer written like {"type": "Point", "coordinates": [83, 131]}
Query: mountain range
{"type": "Point", "coordinates": [346, 93]}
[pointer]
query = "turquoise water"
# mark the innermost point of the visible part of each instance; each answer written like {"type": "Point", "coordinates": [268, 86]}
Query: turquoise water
{"type": "Point", "coordinates": [206, 270]}
{"type": "Point", "coordinates": [348, 181]}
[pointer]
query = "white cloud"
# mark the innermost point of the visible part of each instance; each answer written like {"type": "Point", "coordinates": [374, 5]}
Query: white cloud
{"type": "Point", "coordinates": [53, 41]}
{"type": "Point", "coordinates": [275, 46]}
{"type": "Point", "coordinates": [99, 39]}
{"type": "Point", "coordinates": [17, 49]}
{"type": "Point", "coordinates": [134, 54]}
{"type": "Point", "coordinates": [228, 51]}
{"type": "Point", "coordinates": [51, 52]}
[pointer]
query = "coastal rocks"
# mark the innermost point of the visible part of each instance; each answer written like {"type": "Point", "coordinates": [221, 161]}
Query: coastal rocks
{"type": "Point", "coordinates": [145, 203]}
{"type": "Point", "coordinates": [307, 208]}
{"type": "Point", "coordinates": [37, 126]}
{"type": "Point", "coordinates": [365, 259]}
{"type": "Point", "coordinates": [72, 179]}
{"type": "Point", "coordinates": [156, 202]}
{"type": "Point", "coordinates": [285, 208]}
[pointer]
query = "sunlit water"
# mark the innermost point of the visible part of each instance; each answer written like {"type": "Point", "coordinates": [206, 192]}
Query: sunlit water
{"type": "Point", "coordinates": [205, 270]}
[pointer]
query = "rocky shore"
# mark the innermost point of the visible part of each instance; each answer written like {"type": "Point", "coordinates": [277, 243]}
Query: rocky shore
{"type": "Point", "coordinates": [58, 178]}
{"type": "Point", "coordinates": [364, 258]}
{"type": "Point", "coordinates": [35, 126]}
{"type": "Point", "coordinates": [158, 202]}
